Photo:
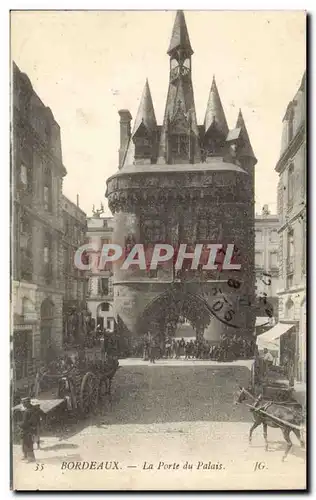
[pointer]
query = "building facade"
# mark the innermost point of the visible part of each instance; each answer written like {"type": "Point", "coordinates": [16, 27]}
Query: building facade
{"type": "Point", "coordinates": [100, 287]}
{"type": "Point", "coordinates": [291, 168]}
{"type": "Point", "coordinates": [37, 228]}
{"type": "Point", "coordinates": [74, 300]}
{"type": "Point", "coordinates": [266, 265]}
{"type": "Point", "coordinates": [183, 183]}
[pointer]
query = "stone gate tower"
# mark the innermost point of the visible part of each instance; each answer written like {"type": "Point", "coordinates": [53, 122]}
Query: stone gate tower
{"type": "Point", "coordinates": [181, 182]}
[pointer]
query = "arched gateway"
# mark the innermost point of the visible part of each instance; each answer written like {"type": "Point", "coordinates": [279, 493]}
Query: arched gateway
{"type": "Point", "coordinates": [183, 183]}
{"type": "Point", "coordinates": [162, 314]}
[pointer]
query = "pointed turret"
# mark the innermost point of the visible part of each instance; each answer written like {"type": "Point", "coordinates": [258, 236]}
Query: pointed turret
{"type": "Point", "coordinates": [246, 148]}
{"type": "Point", "coordinates": [215, 115]}
{"type": "Point", "coordinates": [180, 124]}
{"type": "Point", "coordinates": [180, 36]}
{"type": "Point", "coordinates": [146, 113]}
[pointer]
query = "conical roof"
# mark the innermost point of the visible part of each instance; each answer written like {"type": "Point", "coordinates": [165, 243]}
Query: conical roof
{"type": "Point", "coordinates": [180, 36]}
{"type": "Point", "coordinates": [214, 111]}
{"type": "Point", "coordinates": [247, 148]}
{"type": "Point", "coordinates": [146, 112]}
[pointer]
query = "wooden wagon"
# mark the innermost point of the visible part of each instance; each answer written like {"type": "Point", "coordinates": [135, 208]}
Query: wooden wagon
{"type": "Point", "coordinates": [77, 382]}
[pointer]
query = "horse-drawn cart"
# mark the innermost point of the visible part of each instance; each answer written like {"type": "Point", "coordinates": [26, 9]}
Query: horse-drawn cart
{"type": "Point", "coordinates": [75, 384]}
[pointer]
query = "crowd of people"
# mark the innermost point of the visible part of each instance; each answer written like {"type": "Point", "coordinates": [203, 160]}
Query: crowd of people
{"type": "Point", "coordinates": [228, 349]}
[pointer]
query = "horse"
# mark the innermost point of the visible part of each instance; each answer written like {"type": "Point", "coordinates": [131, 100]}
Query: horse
{"type": "Point", "coordinates": [281, 414]}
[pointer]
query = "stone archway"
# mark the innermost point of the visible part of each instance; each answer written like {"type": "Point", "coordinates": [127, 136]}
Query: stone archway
{"type": "Point", "coordinates": [47, 321]}
{"type": "Point", "coordinates": [162, 314]}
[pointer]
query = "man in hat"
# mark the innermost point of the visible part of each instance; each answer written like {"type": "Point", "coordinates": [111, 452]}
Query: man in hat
{"type": "Point", "coordinates": [28, 429]}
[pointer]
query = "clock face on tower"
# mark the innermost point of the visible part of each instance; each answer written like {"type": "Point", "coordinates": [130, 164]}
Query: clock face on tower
{"type": "Point", "coordinates": [184, 70]}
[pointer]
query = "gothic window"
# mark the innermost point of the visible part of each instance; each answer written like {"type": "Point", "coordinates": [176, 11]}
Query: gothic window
{"type": "Point", "coordinates": [180, 145]}
{"type": "Point", "coordinates": [143, 147]}
{"type": "Point", "coordinates": [174, 68]}
{"type": "Point", "coordinates": [187, 63]}
{"type": "Point", "coordinates": [290, 185]}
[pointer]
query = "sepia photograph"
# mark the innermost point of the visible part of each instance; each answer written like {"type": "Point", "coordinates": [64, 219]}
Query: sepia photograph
{"type": "Point", "coordinates": [158, 183]}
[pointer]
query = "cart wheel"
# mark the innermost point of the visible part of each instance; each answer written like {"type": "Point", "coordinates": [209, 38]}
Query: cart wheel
{"type": "Point", "coordinates": [88, 392]}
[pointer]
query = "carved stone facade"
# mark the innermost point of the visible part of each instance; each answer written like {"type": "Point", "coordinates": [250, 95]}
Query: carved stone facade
{"type": "Point", "coordinates": [181, 182]}
{"type": "Point", "coordinates": [99, 282]}
{"type": "Point", "coordinates": [74, 300]}
{"type": "Point", "coordinates": [267, 263]}
{"type": "Point", "coordinates": [37, 229]}
{"type": "Point", "coordinates": [291, 168]}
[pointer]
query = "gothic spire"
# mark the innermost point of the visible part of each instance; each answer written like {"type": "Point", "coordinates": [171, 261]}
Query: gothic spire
{"type": "Point", "coordinates": [214, 111]}
{"type": "Point", "coordinates": [180, 36]}
{"type": "Point", "coordinates": [246, 149]}
{"type": "Point", "coordinates": [146, 112]}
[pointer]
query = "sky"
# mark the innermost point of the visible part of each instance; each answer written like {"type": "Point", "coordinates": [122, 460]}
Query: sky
{"type": "Point", "coordinates": [87, 65]}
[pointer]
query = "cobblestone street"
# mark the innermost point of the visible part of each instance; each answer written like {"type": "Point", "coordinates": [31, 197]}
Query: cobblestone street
{"type": "Point", "coordinates": [164, 418]}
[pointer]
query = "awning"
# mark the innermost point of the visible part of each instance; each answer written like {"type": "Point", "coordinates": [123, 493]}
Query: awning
{"type": "Point", "coordinates": [45, 405]}
{"type": "Point", "coordinates": [262, 320]}
{"type": "Point", "coordinates": [272, 335]}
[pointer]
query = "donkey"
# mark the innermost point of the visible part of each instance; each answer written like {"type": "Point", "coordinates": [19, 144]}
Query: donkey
{"type": "Point", "coordinates": [290, 412]}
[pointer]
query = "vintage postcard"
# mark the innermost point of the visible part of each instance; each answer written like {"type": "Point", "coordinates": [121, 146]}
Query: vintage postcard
{"type": "Point", "coordinates": [158, 242]}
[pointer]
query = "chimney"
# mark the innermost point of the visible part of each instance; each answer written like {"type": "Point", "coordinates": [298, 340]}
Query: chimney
{"type": "Point", "coordinates": [125, 132]}
{"type": "Point", "coordinates": [77, 200]}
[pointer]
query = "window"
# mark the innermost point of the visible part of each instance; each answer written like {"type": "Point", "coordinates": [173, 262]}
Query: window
{"type": "Point", "coordinates": [273, 260]}
{"type": "Point", "coordinates": [291, 185]}
{"type": "Point", "coordinates": [23, 175]}
{"type": "Point", "coordinates": [258, 259]}
{"type": "Point", "coordinates": [47, 257]}
{"type": "Point", "coordinates": [47, 190]}
{"type": "Point", "coordinates": [290, 252]}
{"type": "Point", "coordinates": [289, 310]}
{"type": "Point", "coordinates": [291, 125]}
{"type": "Point", "coordinates": [22, 353]}
{"type": "Point", "coordinates": [110, 286]}
{"type": "Point", "coordinates": [274, 236]}
{"type": "Point", "coordinates": [104, 286]}
{"type": "Point", "coordinates": [180, 145]}
{"type": "Point", "coordinates": [105, 307]}
{"type": "Point", "coordinates": [258, 236]}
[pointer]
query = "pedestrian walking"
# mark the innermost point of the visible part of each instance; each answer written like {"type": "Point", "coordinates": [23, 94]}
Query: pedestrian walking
{"type": "Point", "coordinates": [28, 429]}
